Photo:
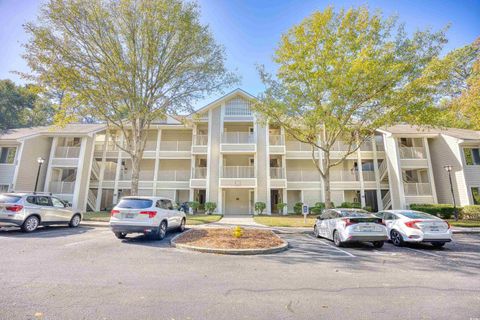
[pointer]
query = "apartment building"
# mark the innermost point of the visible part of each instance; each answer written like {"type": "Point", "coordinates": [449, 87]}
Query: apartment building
{"type": "Point", "coordinates": [221, 153]}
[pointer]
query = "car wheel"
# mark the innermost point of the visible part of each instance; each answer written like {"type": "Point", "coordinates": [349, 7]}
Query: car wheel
{"type": "Point", "coordinates": [161, 231]}
{"type": "Point", "coordinates": [438, 244]}
{"type": "Point", "coordinates": [30, 224]}
{"type": "Point", "coordinates": [182, 225]}
{"type": "Point", "coordinates": [396, 238]}
{"type": "Point", "coordinates": [121, 235]}
{"type": "Point", "coordinates": [315, 232]}
{"type": "Point", "coordinates": [336, 239]}
{"type": "Point", "coordinates": [75, 221]}
{"type": "Point", "coordinates": [377, 244]}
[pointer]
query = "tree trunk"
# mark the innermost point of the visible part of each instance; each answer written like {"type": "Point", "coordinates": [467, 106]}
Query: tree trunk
{"type": "Point", "coordinates": [328, 192]}
{"type": "Point", "coordinates": [135, 175]}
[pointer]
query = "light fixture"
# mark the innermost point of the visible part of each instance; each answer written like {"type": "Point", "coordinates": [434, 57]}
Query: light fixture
{"type": "Point", "coordinates": [447, 168]}
{"type": "Point", "coordinates": [40, 160]}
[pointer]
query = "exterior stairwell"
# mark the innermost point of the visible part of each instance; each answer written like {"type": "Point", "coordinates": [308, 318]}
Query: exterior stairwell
{"type": "Point", "coordinates": [382, 170]}
{"type": "Point", "coordinates": [387, 201]}
{"type": "Point", "coordinates": [91, 200]}
{"type": "Point", "coordinates": [95, 170]}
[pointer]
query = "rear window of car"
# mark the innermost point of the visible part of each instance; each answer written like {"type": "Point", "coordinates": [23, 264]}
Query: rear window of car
{"type": "Point", "coordinates": [7, 198]}
{"type": "Point", "coordinates": [417, 215]}
{"type": "Point", "coordinates": [132, 203]}
{"type": "Point", "coordinates": [354, 213]}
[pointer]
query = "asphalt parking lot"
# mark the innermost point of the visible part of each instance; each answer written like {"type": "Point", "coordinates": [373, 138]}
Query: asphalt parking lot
{"type": "Point", "coordinates": [86, 273]}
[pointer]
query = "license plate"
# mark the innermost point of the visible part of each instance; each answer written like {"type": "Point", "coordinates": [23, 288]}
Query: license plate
{"type": "Point", "coordinates": [366, 228]}
{"type": "Point", "coordinates": [434, 229]}
{"type": "Point", "coordinates": [129, 215]}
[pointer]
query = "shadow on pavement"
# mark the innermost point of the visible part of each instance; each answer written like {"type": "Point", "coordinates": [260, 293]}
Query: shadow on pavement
{"type": "Point", "coordinates": [142, 240]}
{"type": "Point", "coordinates": [43, 232]}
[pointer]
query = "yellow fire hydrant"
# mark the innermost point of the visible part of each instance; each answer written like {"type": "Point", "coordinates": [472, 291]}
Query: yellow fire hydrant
{"type": "Point", "coordinates": [237, 232]}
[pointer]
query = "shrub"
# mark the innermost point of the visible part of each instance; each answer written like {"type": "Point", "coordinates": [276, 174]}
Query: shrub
{"type": "Point", "coordinates": [318, 208]}
{"type": "Point", "coordinates": [194, 205]}
{"type": "Point", "coordinates": [471, 212]}
{"type": "Point", "coordinates": [281, 206]}
{"type": "Point", "coordinates": [444, 211]}
{"type": "Point", "coordinates": [259, 207]}
{"type": "Point", "coordinates": [368, 208]}
{"type": "Point", "coordinates": [210, 207]}
{"type": "Point", "coordinates": [320, 205]}
{"type": "Point", "coordinates": [353, 205]}
{"type": "Point", "coordinates": [297, 208]}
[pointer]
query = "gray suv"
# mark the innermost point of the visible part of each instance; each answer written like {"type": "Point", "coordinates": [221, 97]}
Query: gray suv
{"type": "Point", "coordinates": [29, 210]}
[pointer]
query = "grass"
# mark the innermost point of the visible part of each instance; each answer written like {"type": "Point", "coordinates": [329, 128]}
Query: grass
{"type": "Point", "coordinates": [285, 221]}
{"type": "Point", "coordinates": [104, 216]}
{"type": "Point", "coordinates": [464, 223]}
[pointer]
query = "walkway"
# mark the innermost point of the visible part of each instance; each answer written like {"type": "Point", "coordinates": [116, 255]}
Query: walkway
{"type": "Point", "coordinates": [240, 220]}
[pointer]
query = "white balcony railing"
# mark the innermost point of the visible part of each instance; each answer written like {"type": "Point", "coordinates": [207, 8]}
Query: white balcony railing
{"type": "Point", "coordinates": [238, 137]}
{"type": "Point", "coordinates": [344, 175]}
{"type": "Point", "coordinates": [241, 172]}
{"type": "Point", "coordinates": [277, 173]}
{"type": "Point", "coordinates": [382, 168]}
{"type": "Point", "coordinates": [417, 189]}
{"type": "Point", "coordinates": [62, 187]}
{"type": "Point", "coordinates": [368, 175]}
{"type": "Point", "coordinates": [175, 145]}
{"type": "Point", "coordinates": [150, 145]}
{"type": "Point", "coordinates": [67, 152]}
{"type": "Point", "coordinates": [293, 145]}
{"type": "Point", "coordinates": [199, 173]}
{"type": "Point", "coordinates": [303, 175]}
{"type": "Point", "coordinates": [173, 175]}
{"type": "Point", "coordinates": [276, 140]}
{"type": "Point", "coordinates": [200, 140]}
{"type": "Point", "coordinates": [341, 146]}
{"type": "Point", "coordinates": [412, 153]}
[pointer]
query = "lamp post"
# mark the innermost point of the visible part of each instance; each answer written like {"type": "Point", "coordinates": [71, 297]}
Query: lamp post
{"type": "Point", "coordinates": [40, 161]}
{"type": "Point", "coordinates": [448, 168]}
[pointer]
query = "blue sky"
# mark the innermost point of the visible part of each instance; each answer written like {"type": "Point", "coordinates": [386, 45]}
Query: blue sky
{"type": "Point", "coordinates": [251, 29]}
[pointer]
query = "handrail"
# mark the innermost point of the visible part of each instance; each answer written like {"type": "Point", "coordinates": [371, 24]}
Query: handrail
{"type": "Point", "coordinates": [62, 187]}
{"type": "Point", "coordinates": [238, 137]}
{"type": "Point", "coordinates": [412, 153]}
{"type": "Point", "coordinates": [67, 152]}
{"type": "Point", "coordinates": [276, 140]}
{"type": "Point", "coordinates": [417, 189]}
{"type": "Point", "coordinates": [199, 173]}
{"type": "Point", "coordinates": [303, 175]}
{"type": "Point", "coordinates": [238, 172]}
{"type": "Point", "coordinates": [277, 173]}
{"type": "Point", "coordinates": [200, 140]}
{"type": "Point", "coordinates": [176, 145]}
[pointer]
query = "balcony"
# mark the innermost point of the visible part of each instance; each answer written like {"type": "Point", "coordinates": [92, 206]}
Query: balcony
{"type": "Point", "coordinates": [300, 179]}
{"type": "Point", "coordinates": [62, 187]}
{"type": "Point", "coordinates": [417, 189]}
{"type": "Point", "coordinates": [413, 157]}
{"type": "Point", "coordinates": [238, 177]}
{"type": "Point", "coordinates": [238, 142]}
{"type": "Point", "coordinates": [200, 144]}
{"type": "Point", "coordinates": [298, 150]}
{"type": "Point", "coordinates": [175, 149]}
{"type": "Point", "coordinates": [276, 144]}
{"type": "Point", "coordinates": [66, 156]}
{"type": "Point", "coordinates": [278, 177]}
{"type": "Point", "coordinates": [198, 177]}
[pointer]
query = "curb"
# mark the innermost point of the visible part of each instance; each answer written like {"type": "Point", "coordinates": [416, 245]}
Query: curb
{"type": "Point", "coordinates": [465, 231]}
{"type": "Point", "coordinates": [276, 249]}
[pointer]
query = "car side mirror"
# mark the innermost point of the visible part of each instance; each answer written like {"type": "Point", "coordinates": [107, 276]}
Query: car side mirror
{"type": "Point", "coordinates": [319, 218]}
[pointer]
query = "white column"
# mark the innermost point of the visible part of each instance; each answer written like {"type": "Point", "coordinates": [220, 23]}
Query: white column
{"type": "Point", "coordinates": [157, 161]}
{"type": "Point", "coordinates": [430, 170]}
{"type": "Point", "coordinates": [209, 148]}
{"type": "Point", "coordinates": [102, 171]}
{"type": "Point", "coordinates": [78, 177]}
{"type": "Point", "coordinates": [377, 174]}
{"type": "Point", "coordinates": [360, 175]}
{"type": "Point", "coordinates": [117, 172]}
{"type": "Point", "coordinates": [48, 177]}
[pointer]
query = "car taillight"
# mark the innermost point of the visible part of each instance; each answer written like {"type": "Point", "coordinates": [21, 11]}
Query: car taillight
{"type": "Point", "coordinates": [14, 208]}
{"type": "Point", "coordinates": [114, 212]}
{"type": "Point", "coordinates": [151, 214]}
{"type": "Point", "coordinates": [412, 224]}
{"type": "Point", "coordinates": [448, 224]}
{"type": "Point", "coordinates": [348, 222]}
{"type": "Point", "coordinates": [380, 221]}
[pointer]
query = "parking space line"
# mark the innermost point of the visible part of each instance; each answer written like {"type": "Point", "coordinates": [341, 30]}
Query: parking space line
{"type": "Point", "coordinates": [327, 244]}
{"type": "Point", "coordinates": [425, 252]}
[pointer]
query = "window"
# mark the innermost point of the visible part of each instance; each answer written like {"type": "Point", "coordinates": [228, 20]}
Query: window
{"type": "Point", "coordinates": [3, 188]}
{"type": "Point", "coordinates": [472, 156]}
{"type": "Point", "coordinates": [57, 203]}
{"type": "Point", "coordinates": [165, 204]}
{"type": "Point", "coordinates": [132, 203]}
{"type": "Point", "coordinates": [43, 201]}
{"type": "Point", "coordinates": [6, 198]}
{"type": "Point", "coordinates": [31, 200]}
{"type": "Point", "coordinates": [7, 154]}
{"type": "Point", "coordinates": [476, 195]}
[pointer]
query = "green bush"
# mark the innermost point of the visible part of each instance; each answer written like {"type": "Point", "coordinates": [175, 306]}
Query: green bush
{"type": "Point", "coordinates": [368, 208]}
{"type": "Point", "coordinates": [318, 208]}
{"type": "Point", "coordinates": [297, 208]}
{"type": "Point", "coordinates": [320, 205]}
{"type": "Point", "coordinates": [210, 207]}
{"type": "Point", "coordinates": [444, 211]}
{"type": "Point", "coordinates": [354, 205]}
{"type": "Point", "coordinates": [259, 207]}
{"type": "Point", "coordinates": [194, 205]}
{"type": "Point", "coordinates": [471, 212]}
{"type": "Point", "coordinates": [281, 206]}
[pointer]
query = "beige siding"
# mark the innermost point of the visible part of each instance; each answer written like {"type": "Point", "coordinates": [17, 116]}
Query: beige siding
{"type": "Point", "coordinates": [27, 165]}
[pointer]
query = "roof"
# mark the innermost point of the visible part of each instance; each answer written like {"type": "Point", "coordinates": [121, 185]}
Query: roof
{"type": "Point", "coordinates": [236, 92]}
{"type": "Point", "coordinates": [69, 129]}
{"type": "Point", "coordinates": [406, 129]}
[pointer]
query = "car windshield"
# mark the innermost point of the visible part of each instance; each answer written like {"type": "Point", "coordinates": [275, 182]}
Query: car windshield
{"type": "Point", "coordinates": [8, 198]}
{"type": "Point", "coordinates": [354, 213]}
{"type": "Point", "coordinates": [132, 203]}
{"type": "Point", "coordinates": [417, 215]}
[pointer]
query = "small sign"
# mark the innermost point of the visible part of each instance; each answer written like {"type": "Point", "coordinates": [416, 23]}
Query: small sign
{"type": "Point", "coordinates": [305, 213]}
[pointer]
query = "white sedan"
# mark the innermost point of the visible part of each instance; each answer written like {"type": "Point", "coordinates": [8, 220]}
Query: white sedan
{"type": "Point", "coordinates": [350, 225]}
{"type": "Point", "coordinates": [415, 226]}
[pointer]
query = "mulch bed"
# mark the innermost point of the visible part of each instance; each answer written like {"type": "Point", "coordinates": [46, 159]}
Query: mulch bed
{"type": "Point", "coordinates": [223, 238]}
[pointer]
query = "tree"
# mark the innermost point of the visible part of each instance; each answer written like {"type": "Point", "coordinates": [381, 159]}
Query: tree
{"type": "Point", "coordinates": [126, 62]}
{"type": "Point", "coordinates": [22, 106]}
{"type": "Point", "coordinates": [461, 91]}
{"type": "Point", "coordinates": [342, 75]}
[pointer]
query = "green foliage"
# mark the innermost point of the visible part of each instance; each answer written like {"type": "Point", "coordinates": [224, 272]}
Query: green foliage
{"type": "Point", "coordinates": [281, 207]}
{"type": "Point", "coordinates": [22, 106]}
{"type": "Point", "coordinates": [127, 63]}
{"type": "Point", "coordinates": [344, 74]}
{"type": "Point", "coordinates": [194, 205]}
{"type": "Point", "coordinates": [260, 207]}
{"type": "Point", "coordinates": [471, 212]}
{"type": "Point", "coordinates": [297, 208]}
{"type": "Point", "coordinates": [318, 208]}
{"type": "Point", "coordinates": [210, 207]}
{"type": "Point", "coordinates": [368, 208]}
{"type": "Point", "coordinates": [444, 211]}
{"type": "Point", "coordinates": [320, 205]}
{"type": "Point", "coordinates": [355, 205]}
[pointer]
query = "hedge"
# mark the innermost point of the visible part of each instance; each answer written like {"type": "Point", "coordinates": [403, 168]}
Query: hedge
{"type": "Point", "coordinates": [471, 212]}
{"type": "Point", "coordinates": [354, 205]}
{"type": "Point", "coordinates": [444, 211]}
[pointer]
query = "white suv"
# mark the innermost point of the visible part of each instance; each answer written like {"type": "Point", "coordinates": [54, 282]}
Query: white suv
{"type": "Point", "coordinates": [152, 216]}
